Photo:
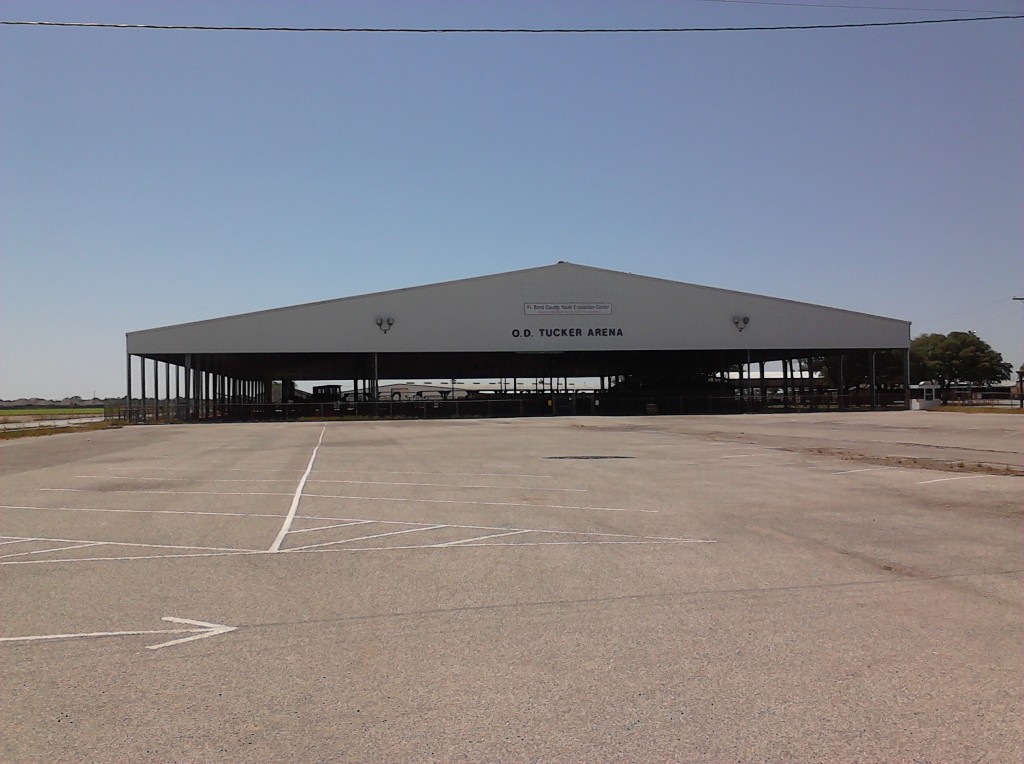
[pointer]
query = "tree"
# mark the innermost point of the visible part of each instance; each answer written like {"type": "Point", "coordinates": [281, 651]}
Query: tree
{"type": "Point", "coordinates": [956, 357]}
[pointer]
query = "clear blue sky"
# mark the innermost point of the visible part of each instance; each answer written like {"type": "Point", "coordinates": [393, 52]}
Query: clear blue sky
{"type": "Point", "coordinates": [156, 177]}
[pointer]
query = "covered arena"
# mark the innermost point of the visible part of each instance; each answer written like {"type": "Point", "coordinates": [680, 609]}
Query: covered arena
{"type": "Point", "coordinates": [642, 345]}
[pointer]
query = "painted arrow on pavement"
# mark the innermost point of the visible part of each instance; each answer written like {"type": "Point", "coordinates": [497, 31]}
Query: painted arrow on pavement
{"type": "Point", "coordinates": [200, 630]}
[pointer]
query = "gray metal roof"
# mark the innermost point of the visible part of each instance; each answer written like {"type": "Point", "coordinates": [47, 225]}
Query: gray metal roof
{"type": "Point", "coordinates": [556, 308]}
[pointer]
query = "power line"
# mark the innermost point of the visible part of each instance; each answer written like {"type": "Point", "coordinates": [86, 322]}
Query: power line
{"type": "Point", "coordinates": [846, 6]}
{"type": "Point", "coordinates": [456, 30]}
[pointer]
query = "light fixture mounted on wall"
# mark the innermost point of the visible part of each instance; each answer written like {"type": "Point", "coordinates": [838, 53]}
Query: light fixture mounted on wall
{"type": "Point", "coordinates": [740, 322]}
{"type": "Point", "coordinates": [384, 323]}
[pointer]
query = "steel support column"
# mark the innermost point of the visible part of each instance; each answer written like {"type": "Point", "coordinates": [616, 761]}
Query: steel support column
{"type": "Point", "coordinates": [906, 378]}
{"type": "Point", "coordinates": [187, 374]}
{"type": "Point", "coordinates": [156, 390]}
{"type": "Point", "coordinates": [874, 387]}
{"type": "Point", "coordinates": [128, 395]}
{"type": "Point", "coordinates": [142, 374]}
{"type": "Point", "coordinates": [786, 369]}
{"type": "Point", "coordinates": [842, 380]}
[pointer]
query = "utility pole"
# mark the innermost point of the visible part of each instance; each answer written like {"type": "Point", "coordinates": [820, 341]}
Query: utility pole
{"type": "Point", "coordinates": [1020, 371]}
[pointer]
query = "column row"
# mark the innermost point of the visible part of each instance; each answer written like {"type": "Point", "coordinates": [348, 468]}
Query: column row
{"type": "Point", "coordinates": [201, 391]}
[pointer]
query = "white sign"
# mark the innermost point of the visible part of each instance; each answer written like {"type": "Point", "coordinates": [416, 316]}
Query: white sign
{"type": "Point", "coordinates": [568, 308]}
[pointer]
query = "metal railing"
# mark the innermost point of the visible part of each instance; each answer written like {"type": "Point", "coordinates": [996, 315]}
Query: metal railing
{"type": "Point", "coordinates": [491, 407]}
{"type": "Point", "coordinates": [40, 421]}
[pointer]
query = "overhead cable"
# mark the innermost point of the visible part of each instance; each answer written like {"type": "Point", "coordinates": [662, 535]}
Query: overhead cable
{"type": "Point", "coordinates": [847, 6]}
{"type": "Point", "coordinates": [534, 30]}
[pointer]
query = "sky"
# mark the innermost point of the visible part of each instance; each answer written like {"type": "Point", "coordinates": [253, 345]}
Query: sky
{"type": "Point", "coordinates": [154, 177]}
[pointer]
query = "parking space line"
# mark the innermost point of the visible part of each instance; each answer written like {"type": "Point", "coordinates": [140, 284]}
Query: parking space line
{"type": "Point", "coordinates": [139, 544]}
{"type": "Point", "coordinates": [138, 557]}
{"type": "Point", "coordinates": [276, 546]}
{"type": "Point", "coordinates": [344, 521]}
{"type": "Point", "coordinates": [477, 503]}
{"type": "Point", "coordinates": [481, 538]}
{"type": "Point", "coordinates": [358, 498]}
{"type": "Point", "coordinates": [200, 479]}
{"type": "Point", "coordinates": [328, 527]}
{"type": "Point", "coordinates": [582, 537]}
{"type": "Point", "coordinates": [171, 493]}
{"type": "Point", "coordinates": [306, 517]}
{"type": "Point", "coordinates": [197, 479]}
{"type": "Point", "coordinates": [447, 485]}
{"type": "Point", "coordinates": [626, 539]}
{"type": "Point", "coordinates": [366, 538]}
{"type": "Point", "coordinates": [304, 550]}
{"type": "Point", "coordinates": [958, 477]}
{"type": "Point", "coordinates": [327, 470]}
{"type": "Point", "coordinates": [150, 512]}
{"type": "Point", "coordinates": [638, 542]}
{"type": "Point", "coordinates": [410, 472]}
{"type": "Point", "coordinates": [208, 469]}
{"type": "Point", "coordinates": [581, 543]}
{"type": "Point", "coordinates": [53, 549]}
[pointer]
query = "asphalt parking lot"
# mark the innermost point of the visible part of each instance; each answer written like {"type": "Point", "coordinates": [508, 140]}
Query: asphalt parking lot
{"type": "Point", "coordinates": [830, 587]}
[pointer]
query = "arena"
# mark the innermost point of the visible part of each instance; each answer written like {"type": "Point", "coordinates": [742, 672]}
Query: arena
{"type": "Point", "coordinates": [648, 345]}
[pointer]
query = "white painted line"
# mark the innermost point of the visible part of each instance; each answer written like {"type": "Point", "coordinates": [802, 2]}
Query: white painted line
{"type": "Point", "coordinates": [327, 527]}
{"type": "Point", "coordinates": [477, 503]}
{"type": "Point", "coordinates": [961, 477]}
{"type": "Point", "coordinates": [16, 541]}
{"type": "Point", "coordinates": [207, 630]}
{"type": "Point", "coordinates": [500, 528]}
{"type": "Point", "coordinates": [298, 495]}
{"type": "Point", "coordinates": [136, 557]}
{"type": "Point", "coordinates": [204, 630]}
{"type": "Point", "coordinates": [866, 469]}
{"type": "Point", "coordinates": [738, 456]}
{"type": "Point", "coordinates": [86, 635]}
{"type": "Point", "coordinates": [200, 479]}
{"type": "Point", "coordinates": [192, 479]}
{"type": "Point", "coordinates": [345, 521]}
{"type": "Point", "coordinates": [641, 540]}
{"type": "Point", "coordinates": [255, 515]}
{"type": "Point", "coordinates": [330, 496]}
{"type": "Point", "coordinates": [52, 549]}
{"type": "Point", "coordinates": [148, 546]}
{"type": "Point", "coordinates": [366, 538]}
{"type": "Point", "coordinates": [481, 538]}
{"type": "Point", "coordinates": [215, 470]}
{"type": "Point", "coordinates": [172, 493]}
{"type": "Point", "coordinates": [410, 472]}
{"type": "Point", "coordinates": [338, 472]}
{"type": "Point", "coordinates": [505, 544]}
{"type": "Point", "coordinates": [449, 485]}
{"type": "Point", "coordinates": [585, 543]}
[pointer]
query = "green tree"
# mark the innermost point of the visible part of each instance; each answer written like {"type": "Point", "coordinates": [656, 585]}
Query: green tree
{"type": "Point", "coordinates": [956, 357]}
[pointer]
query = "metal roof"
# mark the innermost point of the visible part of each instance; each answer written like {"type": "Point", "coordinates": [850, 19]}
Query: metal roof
{"type": "Point", "coordinates": [561, 308]}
